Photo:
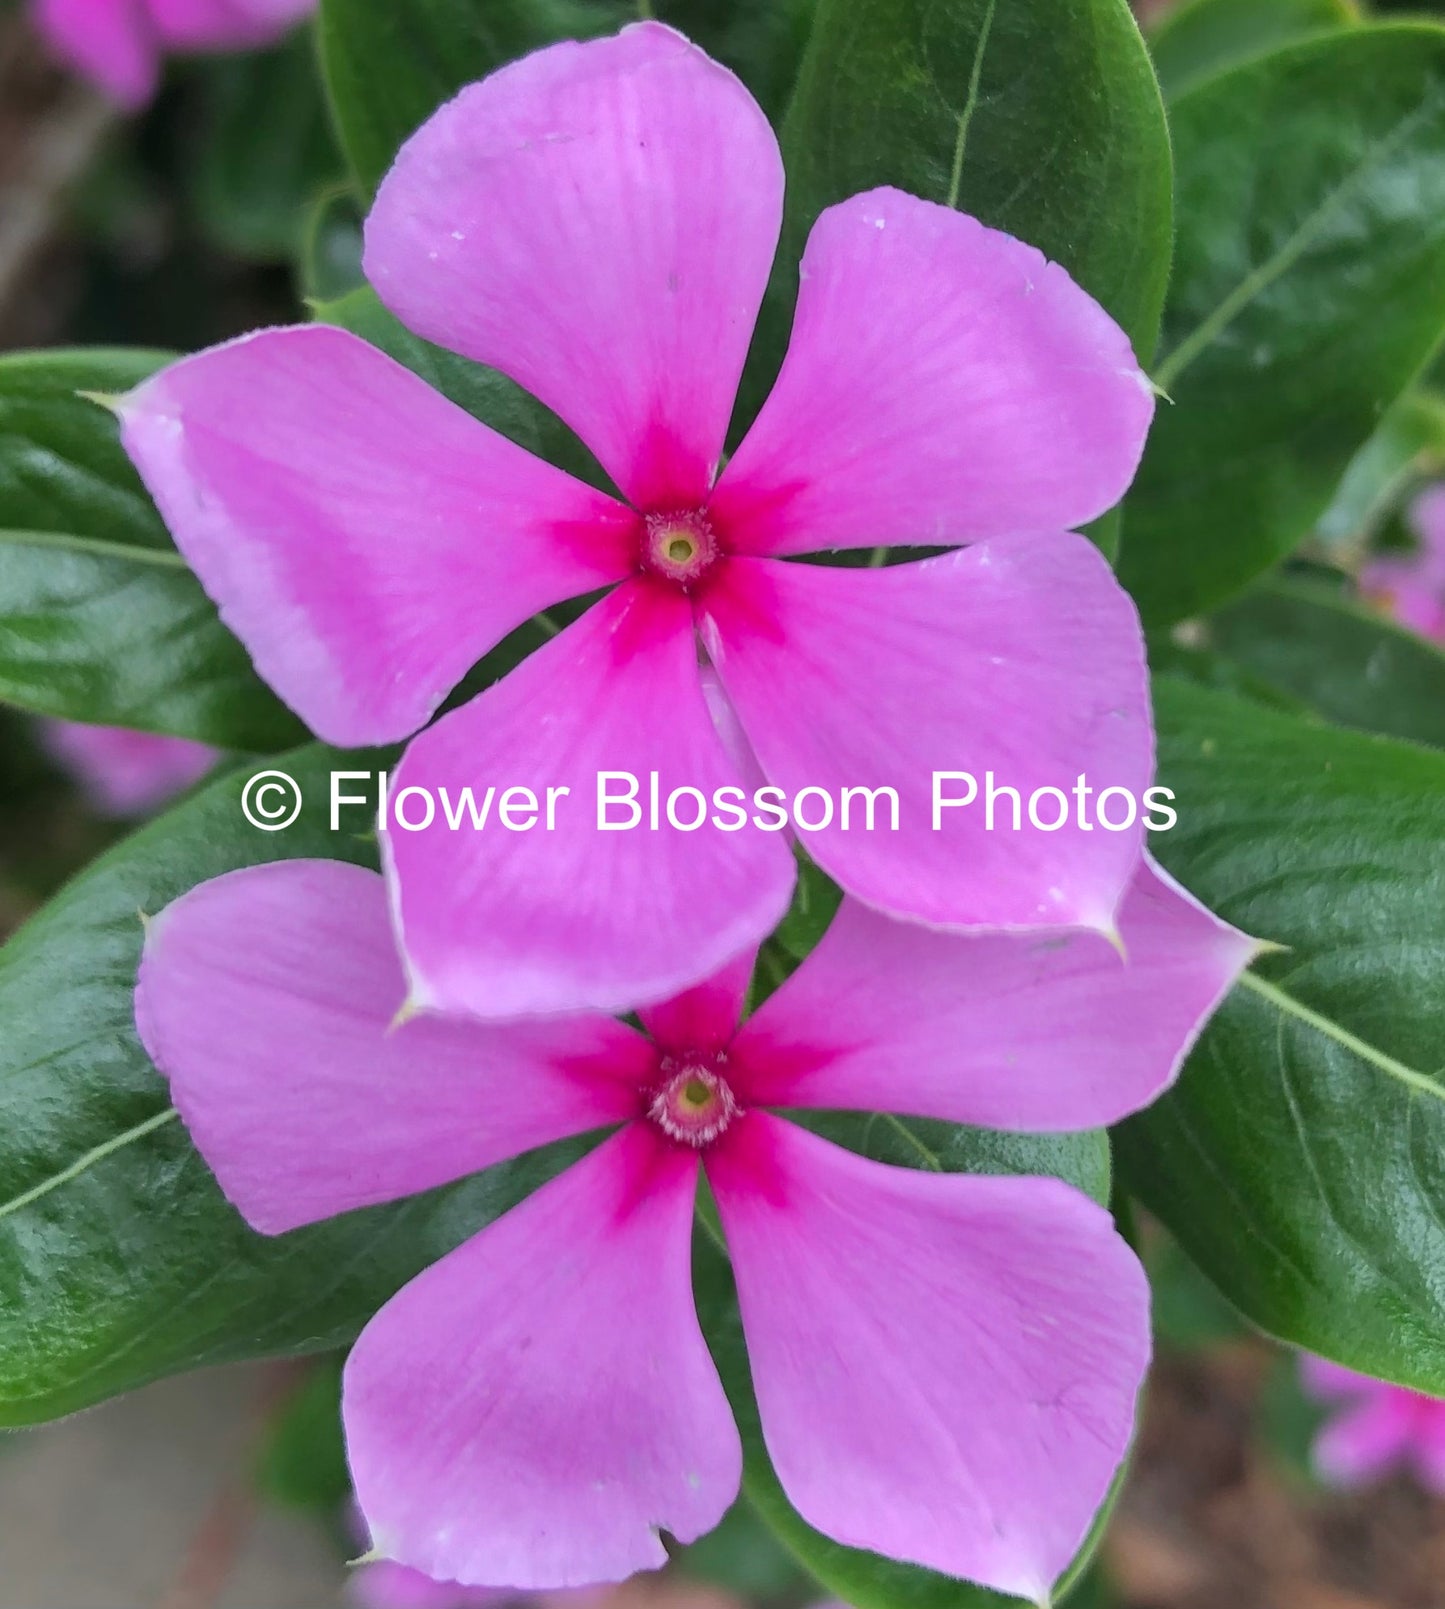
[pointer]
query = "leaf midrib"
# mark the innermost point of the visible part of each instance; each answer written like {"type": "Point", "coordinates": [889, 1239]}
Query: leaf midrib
{"type": "Point", "coordinates": [101, 547]}
{"type": "Point", "coordinates": [1288, 253]}
{"type": "Point", "coordinates": [1282, 1000]}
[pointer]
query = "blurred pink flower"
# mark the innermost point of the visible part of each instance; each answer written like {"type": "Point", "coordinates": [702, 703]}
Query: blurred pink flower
{"type": "Point", "coordinates": [945, 1364]}
{"type": "Point", "coordinates": [1377, 1428]}
{"type": "Point", "coordinates": [118, 44]}
{"type": "Point", "coordinates": [1411, 586]}
{"type": "Point", "coordinates": [597, 221]}
{"type": "Point", "coordinates": [126, 773]}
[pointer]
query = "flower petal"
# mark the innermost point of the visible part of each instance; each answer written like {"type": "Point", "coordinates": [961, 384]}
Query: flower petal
{"type": "Point", "coordinates": [569, 917]}
{"type": "Point", "coordinates": [946, 1364]}
{"type": "Point", "coordinates": [1364, 1441]}
{"type": "Point", "coordinates": [704, 1018]}
{"type": "Point", "coordinates": [265, 996]}
{"type": "Point", "coordinates": [110, 42]}
{"type": "Point", "coordinates": [597, 221]}
{"type": "Point", "coordinates": [224, 24]}
{"type": "Point", "coordinates": [1022, 658]}
{"type": "Point", "coordinates": [1004, 1030]}
{"type": "Point", "coordinates": [126, 773]}
{"type": "Point", "coordinates": [535, 1408]}
{"type": "Point", "coordinates": [365, 538]}
{"type": "Point", "coordinates": [944, 383]}
{"type": "Point", "coordinates": [1333, 1382]}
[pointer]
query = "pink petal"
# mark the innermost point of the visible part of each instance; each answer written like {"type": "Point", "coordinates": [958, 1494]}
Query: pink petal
{"type": "Point", "coordinates": [385, 1585]}
{"type": "Point", "coordinates": [1022, 658]}
{"type": "Point", "coordinates": [126, 773]}
{"type": "Point", "coordinates": [946, 1365]}
{"type": "Point", "coordinates": [537, 1406]}
{"type": "Point", "coordinates": [704, 1018]}
{"type": "Point", "coordinates": [1429, 1450]}
{"type": "Point", "coordinates": [944, 383]}
{"type": "Point", "coordinates": [597, 221]}
{"type": "Point", "coordinates": [365, 538]}
{"type": "Point", "coordinates": [1427, 515]}
{"type": "Point", "coordinates": [108, 41]}
{"type": "Point", "coordinates": [506, 923]}
{"type": "Point", "coordinates": [1332, 1382]}
{"type": "Point", "coordinates": [266, 998]}
{"type": "Point", "coordinates": [1365, 1441]}
{"type": "Point", "coordinates": [1009, 1031]}
{"type": "Point", "coordinates": [224, 24]}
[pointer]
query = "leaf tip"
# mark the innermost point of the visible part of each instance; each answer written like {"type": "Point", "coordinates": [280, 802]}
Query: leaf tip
{"type": "Point", "coordinates": [112, 401]}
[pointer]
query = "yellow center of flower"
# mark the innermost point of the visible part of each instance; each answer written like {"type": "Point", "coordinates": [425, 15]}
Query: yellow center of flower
{"type": "Point", "coordinates": [692, 1103]}
{"type": "Point", "coordinates": [680, 547]}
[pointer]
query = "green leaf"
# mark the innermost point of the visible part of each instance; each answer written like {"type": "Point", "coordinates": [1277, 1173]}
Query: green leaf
{"type": "Point", "coordinates": [1308, 291]}
{"type": "Point", "coordinates": [120, 1259]}
{"type": "Point", "coordinates": [303, 1463]}
{"type": "Point", "coordinates": [100, 620]}
{"type": "Point", "coordinates": [1040, 119]}
{"type": "Point", "coordinates": [1343, 661]}
{"type": "Point", "coordinates": [867, 1580]}
{"type": "Point", "coordinates": [1300, 1160]}
{"type": "Point", "coordinates": [1408, 446]}
{"type": "Point", "coordinates": [266, 150]}
{"type": "Point", "coordinates": [484, 393]}
{"type": "Point", "coordinates": [1205, 36]}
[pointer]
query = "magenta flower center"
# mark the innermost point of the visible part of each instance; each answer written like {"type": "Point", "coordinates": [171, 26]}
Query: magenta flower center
{"type": "Point", "coordinates": [693, 1104]}
{"type": "Point", "coordinates": [679, 546]}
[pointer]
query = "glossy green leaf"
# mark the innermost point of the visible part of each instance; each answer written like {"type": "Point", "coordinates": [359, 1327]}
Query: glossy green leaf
{"type": "Point", "coordinates": [865, 1579]}
{"type": "Point", "coordinates": [1308, 291]}
{"type": "Point", "coordinates": [1205, 36]}
{"type": "Point", "coordinates": [1300, 1160]}
{"type": "Point", "coordinates": [120, 1261]}
{"type": "Point", "coordinates": [1347, 663]}
{"type": "Point", "coordinates": [100, 619]}
{"type": "Point", "coordinates": [266, 149]}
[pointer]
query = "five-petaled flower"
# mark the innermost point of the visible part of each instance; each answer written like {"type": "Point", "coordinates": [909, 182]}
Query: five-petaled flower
{"type": "Point", "coordinates": [1375, 1428]}
{"type": "Point", "coordinates": [945, 1364]}
{"type": "Point", "coordinates": [1411, 586]}
{"type": "Point", "coordinates": [119, 43]}
{"type": "Point", "coordinates": [597, 222]}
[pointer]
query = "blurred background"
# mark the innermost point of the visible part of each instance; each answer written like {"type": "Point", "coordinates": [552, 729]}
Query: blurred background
{"type": "Point", "coordinates": [221, 208]}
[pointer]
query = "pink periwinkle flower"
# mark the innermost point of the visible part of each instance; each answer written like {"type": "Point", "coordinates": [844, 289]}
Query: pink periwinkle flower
{"type": "Point", "coordinates": [946, 1365]}
{"type": "Point", "coordinates": [1411, 586]}
{"type": "Point", "coordinates": [597, 221]}
{"type": "Point", "coordinates": [119, 44]}
{"type": "Point", "coordinates": [125, 773]}
{"type": "Point", "coordinates": [1376, 1428]}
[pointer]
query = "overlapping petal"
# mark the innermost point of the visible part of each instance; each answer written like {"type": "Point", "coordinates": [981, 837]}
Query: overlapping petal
{"type": "Point", "coordinates": [265, 997]}
{"type": "Point", "coordinates": [944, 383]}
{"type": "Point", "coordinates": [508, 923]}
{"type": "Point", "coordinates": [597, 221]}
{"type": "Point", "coordinates": [535, 1408]}
{"type": "Point", "coordinates": [1023, 658]}
{"type": "Point", "coordinates": [365, 538]}
{"type": "Point", "coordinates": [703, 1018]}
{"type": "Point", "coordinates": [1004, 1030]}
{"type": "Point", "coordinates": [946, 1365]}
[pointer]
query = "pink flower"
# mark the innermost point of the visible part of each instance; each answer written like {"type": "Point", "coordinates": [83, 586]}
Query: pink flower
{"type": "Point", "coordinates": [1411, 587]}
{"type": "Point", "coordinates": [1378, 1428]}
{"type": "Point", "coordinates": [118, 44]}
{"type": "Point", "coordinates": [126, 773]}
{"type": "Point", "coordinates": [946, 1364]}
{"type": "Point", "coordinates": [597, 222]}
